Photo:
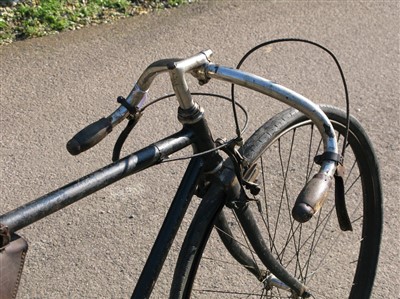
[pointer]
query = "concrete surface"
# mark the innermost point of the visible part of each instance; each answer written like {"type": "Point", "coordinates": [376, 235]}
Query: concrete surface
{"type": "Point", "coordinates": [53, 86]}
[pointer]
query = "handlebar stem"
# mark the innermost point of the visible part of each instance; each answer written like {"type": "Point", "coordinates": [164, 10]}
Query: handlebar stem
{"type": "Point", "coordinates": [177, 72]}
{"type": "Point", "coordinates": [177, 69]}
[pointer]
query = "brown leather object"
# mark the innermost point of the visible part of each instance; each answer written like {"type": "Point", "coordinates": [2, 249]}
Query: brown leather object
{"type": "Point", "coordinates": [12, 257]}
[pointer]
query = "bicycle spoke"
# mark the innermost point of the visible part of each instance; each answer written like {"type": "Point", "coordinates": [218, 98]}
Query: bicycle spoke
{"type": "Point", "coordinates": [266, 221]}
{"type": "Point", "coordinates": [322, 260]}
{"type": "Point", "coordinates": [357, 219]}
{"type": "Point", "coordinates": [225, 262]}
{"type": "Point", "coordinates": [335, 238]}
{"type": "Point", "coordinates": [284, 173]}
{"type": "Point", "coordinates": [324, 220]}
{"type": "Point", "coordinates": [312, 246]}
{"type": "Point", "coordinates": [288, 240]}
{"type": "Point", "coordinates": [281, 197]}
{"type": "Point", "coordinates": [352, 184]}
{"type": "Point", "coordinates": [247, 246]}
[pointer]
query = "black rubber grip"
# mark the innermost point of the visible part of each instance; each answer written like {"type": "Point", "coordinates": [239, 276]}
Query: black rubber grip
{"type": "Point", "coordinates": [89, 136]}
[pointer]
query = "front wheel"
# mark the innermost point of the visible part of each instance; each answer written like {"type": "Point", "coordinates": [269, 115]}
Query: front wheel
{"type": "Point", "coordinates": [330, 262]}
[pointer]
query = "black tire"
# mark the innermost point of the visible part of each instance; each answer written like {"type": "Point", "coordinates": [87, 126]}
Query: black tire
{"type": "Point", "coordinates": [330, 262]}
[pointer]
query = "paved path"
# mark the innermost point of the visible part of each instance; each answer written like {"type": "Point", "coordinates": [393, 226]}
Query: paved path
{"type": "Point", "coordinates": [51, 87]}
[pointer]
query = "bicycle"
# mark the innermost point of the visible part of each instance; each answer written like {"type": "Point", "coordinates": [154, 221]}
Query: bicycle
{"type": "Point", "coordinates": [275, 219]}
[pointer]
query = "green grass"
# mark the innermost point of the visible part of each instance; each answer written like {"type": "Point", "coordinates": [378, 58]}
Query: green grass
{"type": "Point", "coordinates": [35, 18]}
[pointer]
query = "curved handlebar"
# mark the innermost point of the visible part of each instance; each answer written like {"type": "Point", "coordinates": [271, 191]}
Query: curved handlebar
{"type": "Point", "coordinates": [313, 194]}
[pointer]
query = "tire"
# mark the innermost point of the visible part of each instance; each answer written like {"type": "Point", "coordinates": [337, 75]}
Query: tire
{"type": "Point", "coordinates": [330, 262]}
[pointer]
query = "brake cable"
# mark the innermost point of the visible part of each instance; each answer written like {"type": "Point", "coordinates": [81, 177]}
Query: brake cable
{"type": "Point", "coordinates": [242, 60]}
{"type": "Point", "coordinates": [136, 114]}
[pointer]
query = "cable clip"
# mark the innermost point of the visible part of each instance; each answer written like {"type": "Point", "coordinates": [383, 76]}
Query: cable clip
{"type": "Point", "coordinates": [331, 156]}
{"type": "Point", "coordinates": [132, 110]}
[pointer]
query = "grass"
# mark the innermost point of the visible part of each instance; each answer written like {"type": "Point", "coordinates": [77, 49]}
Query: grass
{"type": "Point", "coordinates": [35, 18]}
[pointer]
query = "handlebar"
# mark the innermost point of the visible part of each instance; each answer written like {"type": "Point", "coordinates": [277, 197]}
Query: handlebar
{"type": "Point", "coordinates": [199, 65]}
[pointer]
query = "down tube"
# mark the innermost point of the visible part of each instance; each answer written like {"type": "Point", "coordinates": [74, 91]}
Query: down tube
{"type": "Point", "coordinates": [168, 230]}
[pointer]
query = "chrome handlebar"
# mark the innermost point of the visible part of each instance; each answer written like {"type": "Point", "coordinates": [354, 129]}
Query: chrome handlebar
{"type": "Point", "coordinates": [199, 65]}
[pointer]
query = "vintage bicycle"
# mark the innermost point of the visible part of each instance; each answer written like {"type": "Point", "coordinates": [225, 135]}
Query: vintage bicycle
{"type": "Point", "coordinates": [301, 195]}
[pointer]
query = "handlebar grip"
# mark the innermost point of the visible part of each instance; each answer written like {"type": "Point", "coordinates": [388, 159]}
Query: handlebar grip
{"type": "Point", "coordinates": [312, 197]}
{"type": "Point", "coordinates": [89, 136]}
